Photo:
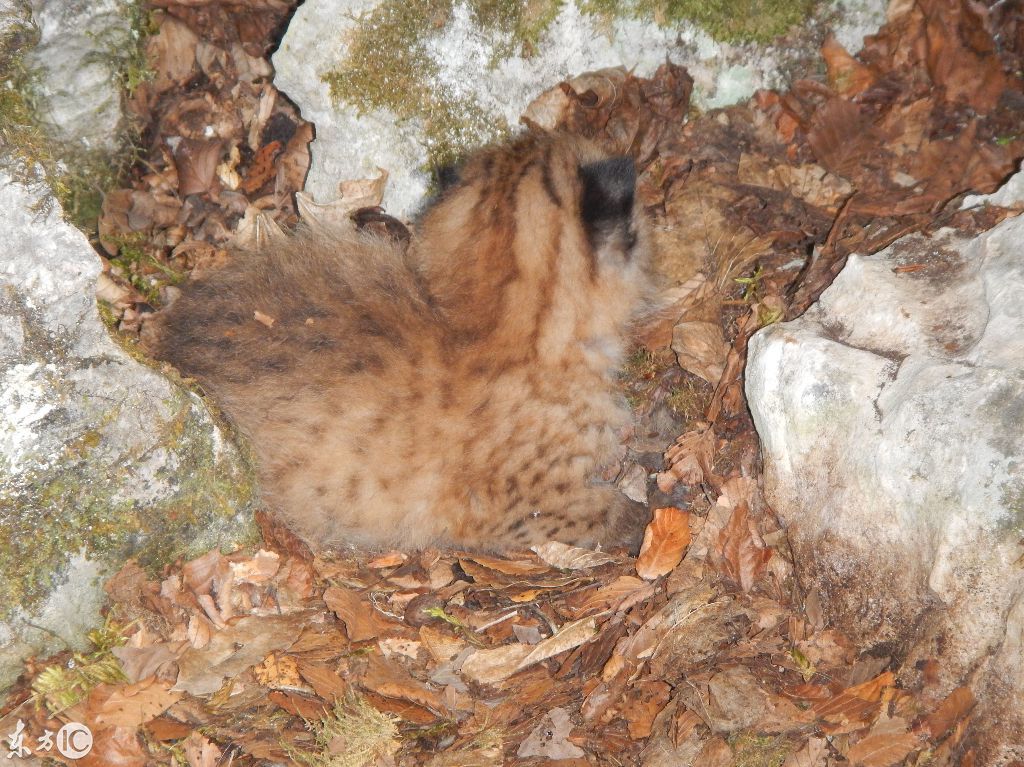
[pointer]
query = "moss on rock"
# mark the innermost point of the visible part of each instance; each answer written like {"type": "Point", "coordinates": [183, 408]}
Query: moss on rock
{"type": "Point", "coordinates": [83, 503]}
{"type": "Point", "coordinates": [389, 63]}
{"type": "Point", "coordinates": [77, 175]}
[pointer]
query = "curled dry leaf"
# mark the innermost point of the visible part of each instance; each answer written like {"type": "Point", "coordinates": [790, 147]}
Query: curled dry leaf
{"type": "Point", "coordinates": [131, 705]}
{"type": "Point", "coordinates": [846, 75]}
{"type": "Point", "coordinates": [566, 557]}
{"type": "Point", "coordinates": [550, 739]}
{"type": "Point", "coordinates": [701, 349]}
{"type": "Point", "coordinates": [665, 542]}
{"type": "Point", "coordinates": [744, 554]}
{"type": "Point", "coordinates": [361, 622]}
{"type": "Point", "coordinates": [887, 744]}
{"type": "Point", "coordinates": [954, 708]}
{"type": "Point", "coordinates": [689, 460]}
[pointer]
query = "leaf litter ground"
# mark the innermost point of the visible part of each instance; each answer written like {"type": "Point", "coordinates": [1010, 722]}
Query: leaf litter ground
{"type": "Point", "coordinates": [704, 649]}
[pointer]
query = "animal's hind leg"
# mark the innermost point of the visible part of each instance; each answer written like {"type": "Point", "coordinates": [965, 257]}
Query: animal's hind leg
{"type": "Point", "coordinates": [596, 515]}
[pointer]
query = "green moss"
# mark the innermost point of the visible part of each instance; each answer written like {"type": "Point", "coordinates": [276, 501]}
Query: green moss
{"type": "Point", "coordinates": [388, 67]}
{"type": "Point", "coordinates": [740, 21]}
{"type": "Point", "coordinates": [61, 686]}
{"type": "Point", "coordinates": [731, 21]}
{"type": "Point", "coordinates": [689, 399]}
{"type": "Point", "coordinates": [751, 750]}
{"type": "Point", "coordinates": [364, 734]}
{"type": "Point", "coordinates": [136, 262]}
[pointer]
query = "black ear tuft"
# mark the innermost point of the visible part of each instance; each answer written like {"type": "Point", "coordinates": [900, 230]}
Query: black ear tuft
{"type": "Point", "coordinates": [446, 176]}
{"type": "Point", "coordinates": [608, 188]}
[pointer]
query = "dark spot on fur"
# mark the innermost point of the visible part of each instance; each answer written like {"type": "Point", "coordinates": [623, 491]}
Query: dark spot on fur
{"type": "Point", "coordinates": [352, 488]}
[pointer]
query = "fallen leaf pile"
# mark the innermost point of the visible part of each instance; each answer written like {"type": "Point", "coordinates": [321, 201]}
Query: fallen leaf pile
{"type": "Point", "coordinates": [704, 650]}
{"type": "Point", "coordinates": [690, 654]}
{"type": "Point", "coordinates": [220, 142]}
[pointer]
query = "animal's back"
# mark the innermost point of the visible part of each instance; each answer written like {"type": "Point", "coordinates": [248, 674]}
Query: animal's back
{"type": "Point", "coordinates": [459, 390]}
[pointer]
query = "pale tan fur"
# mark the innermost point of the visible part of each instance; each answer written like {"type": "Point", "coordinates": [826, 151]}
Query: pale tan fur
{"type": "Point", "coordinates": [460, 391]}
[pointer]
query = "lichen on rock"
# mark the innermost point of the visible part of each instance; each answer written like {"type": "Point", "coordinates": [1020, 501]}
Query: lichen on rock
{"type": "Point", "coordinates": [101, 457]}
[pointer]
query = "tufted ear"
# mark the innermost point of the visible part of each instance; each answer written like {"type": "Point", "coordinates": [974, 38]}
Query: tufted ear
{"type": "Point", "coordinates": [446, 176]}
{"type": "Point", "coordinates": [607, 196]}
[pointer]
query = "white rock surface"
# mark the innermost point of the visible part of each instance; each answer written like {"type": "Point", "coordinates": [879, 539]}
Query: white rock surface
{"type": "Point", "coordinates": [78, 41]}
{"type": "Point", "coordinates": [101, 457]}
{"type": "Point", "coordinates": [349, 145]}
{"type": "Point", "coordinates": [891, 417]}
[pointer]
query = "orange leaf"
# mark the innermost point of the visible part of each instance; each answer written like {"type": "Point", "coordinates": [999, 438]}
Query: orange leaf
{"type": "Point", "coordinates": [745, 556]}
{"type": "Point", "coordinates": [361, 622]}
{"type": "Point", "coordinates": [955, 707]}
{"type": "Point", "coordinates": [887, 744]}
{"type": "Point", "coordinates": [847, 75]}
{"type": "Point", "coordinates": [665, 540]}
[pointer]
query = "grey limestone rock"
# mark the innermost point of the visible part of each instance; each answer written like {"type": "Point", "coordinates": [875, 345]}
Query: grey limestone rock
{"type": "Point", "coordinates": [101, 456]}
{"type": "Point", "coordinates": [891, 417]}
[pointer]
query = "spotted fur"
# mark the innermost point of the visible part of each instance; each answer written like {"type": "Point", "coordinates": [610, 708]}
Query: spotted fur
{"type": "Point", "coordinates": [455, 389]}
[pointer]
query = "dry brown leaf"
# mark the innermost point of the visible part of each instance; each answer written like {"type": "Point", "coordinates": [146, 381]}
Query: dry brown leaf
{"type": "Point", "coordinates": [700, 349]}
{"type": "Point", "coordinates": [855, 707]}
{"type": "Point", "coordinates": [262, 168]}
{"type": "Point", "coordinates": [619, 595]}
{"type": "Point", "coordinates": [361, 621]}
{"type": "Point", "coordinates": [390, 559]}
{"type": "Point", "coordinates": [847, 76]}
{"type": "Point", "coordinates": [496, 664]}
{"type": "Point", "coordinates": [506, 566]}
{"type": "Point", "coordinates": [114, 747]}
{"type": "Point", "coordinates": [171, 53]}
{"type": "Point", "coordinates": [550, 739]}
{"type": "Point", "coordinates": [163, 728]}
{"type": "Point", "coordinates": [690, 459]}
{"type": "Point", "coordinates": [566, 638]}
{"type": "Point", "coordinates": [744, 554]}
{"type": "Point", "coordinates": [665, 541]}
{"type": "Point", "coordinates": [278, 670]}
{"type": "Point", "coordinates": [566, 557]}
{"type": "Point", "coordinates": [324, 680]}
{"type": "Point", "coordinates": [954, 708]}
{"type": "Point", "coordinates": [293, 163]}
{"type": "Point", "coordinates": [260, 569]}
{"type": "Point", "coordinates": [139, 663]}
{"type": "Point", "coordinates": [841, 137]}
{"type": "Point", "coordinates": [643, 703]}
{"type": "Point", "coordinates": [246, 642]}
{"type": "Point", "coordinates": [130, 705]}
{"type": "Point", "coordinates": [886, 744]}
{"type": "Point", "coordinates": [389, 679]}
{"type": "Point", "coordinates": [811, 754]}
{"type": "Point", "coordinates": [200, 752]}
{"type": "Point", "coordinates": [196, 161]}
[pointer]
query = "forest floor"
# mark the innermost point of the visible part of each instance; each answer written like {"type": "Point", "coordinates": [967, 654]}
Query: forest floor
{"type": "Point", "coordinates": [704, 649]}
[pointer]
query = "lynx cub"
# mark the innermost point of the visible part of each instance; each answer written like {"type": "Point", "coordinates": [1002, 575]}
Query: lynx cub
{"type": "Point", "coordinates": [455, 390]}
